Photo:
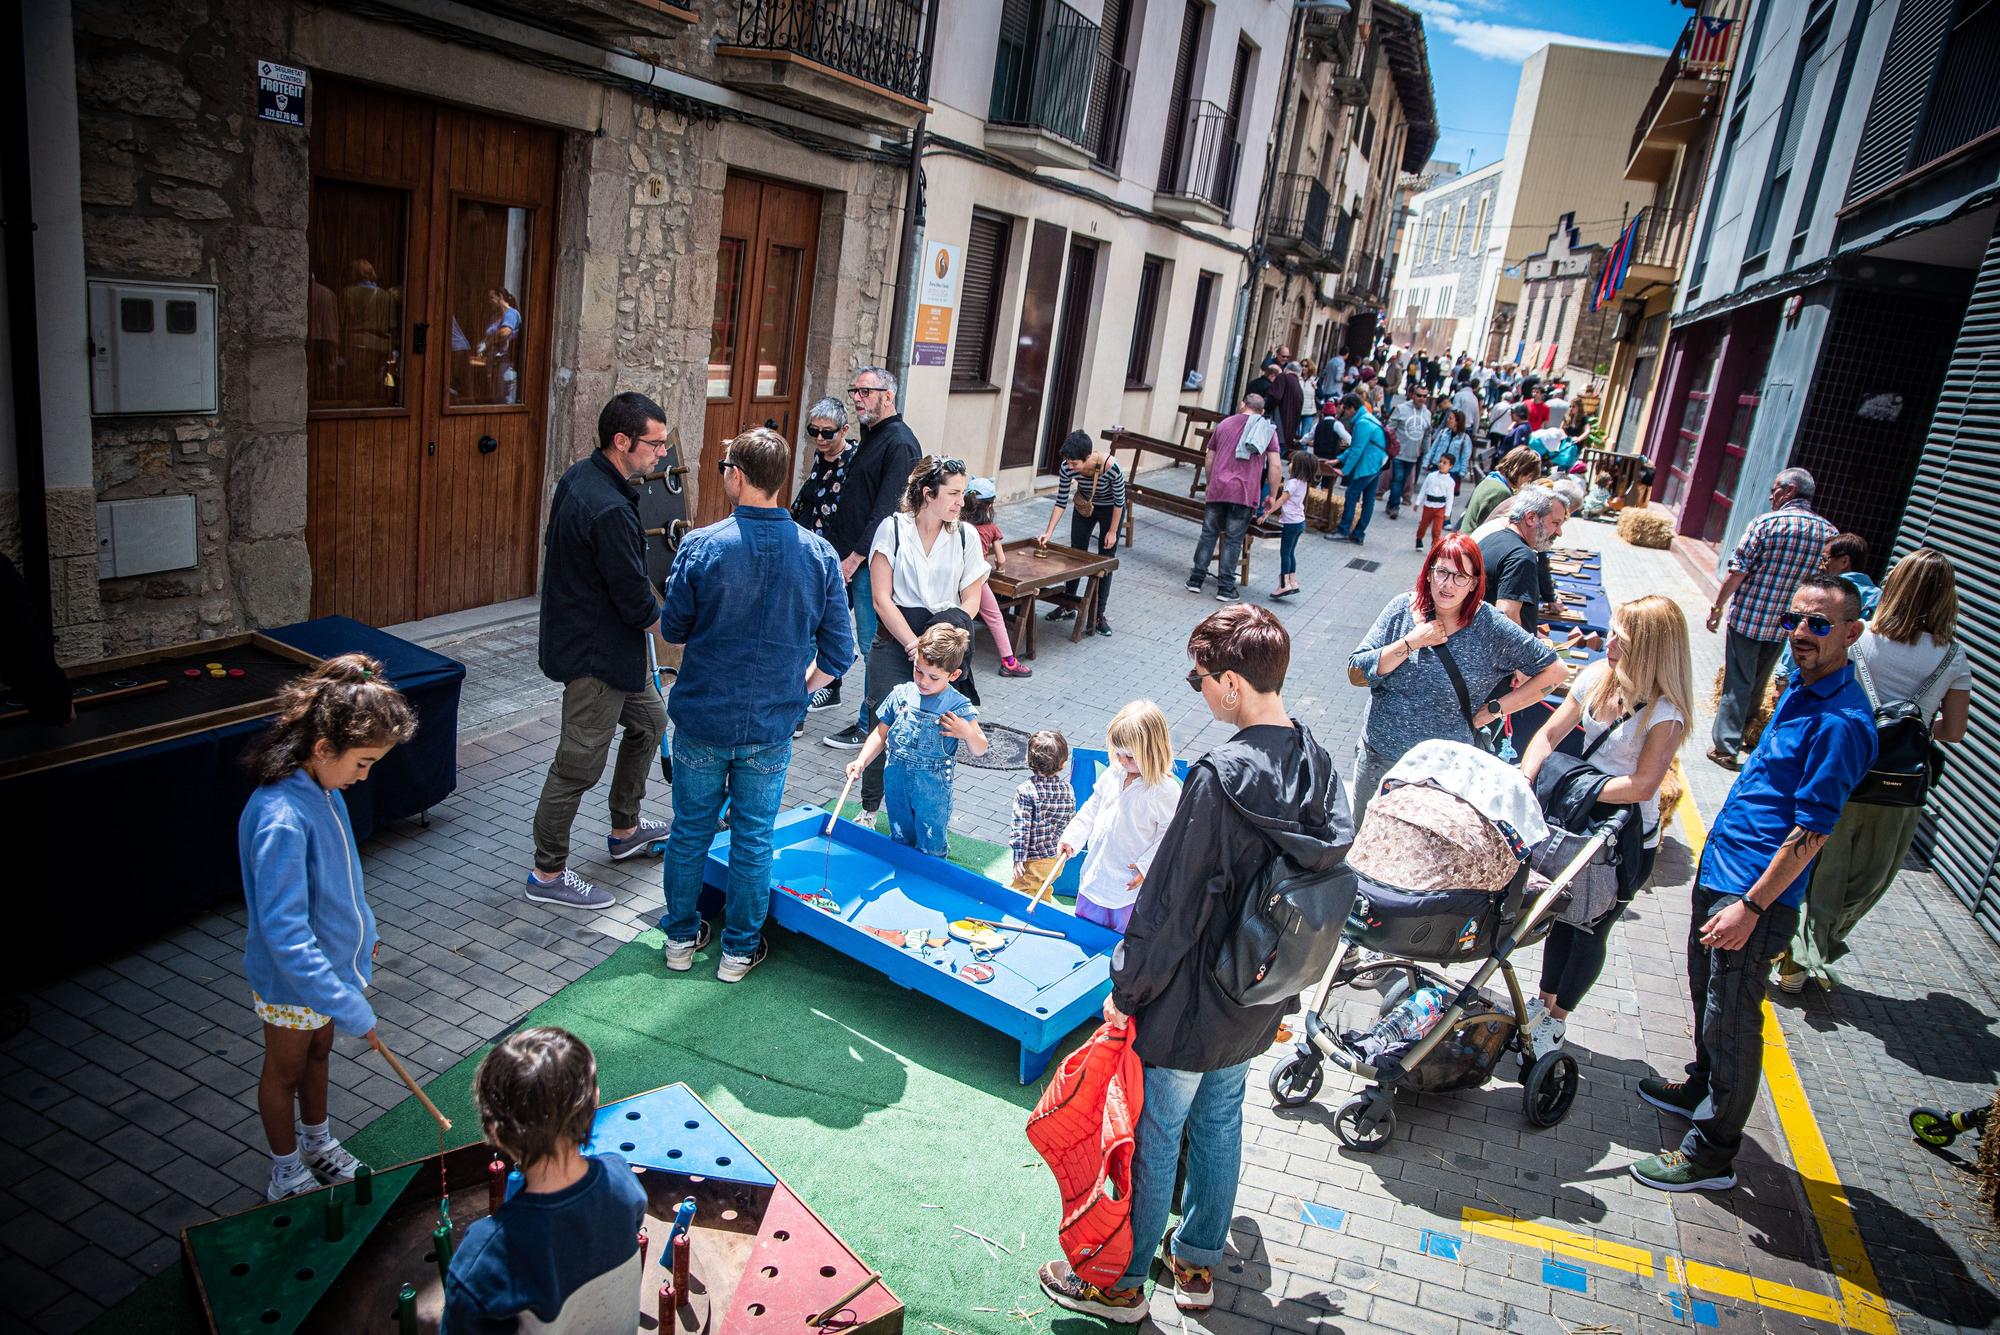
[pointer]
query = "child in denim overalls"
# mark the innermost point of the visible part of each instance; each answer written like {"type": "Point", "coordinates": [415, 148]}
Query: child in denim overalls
{"type": "Point", "coordinates": [920, 725]}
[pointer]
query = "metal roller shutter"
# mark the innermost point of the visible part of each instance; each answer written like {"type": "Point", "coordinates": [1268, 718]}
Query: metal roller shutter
{"type": "Point", "coordinates": [1901, 90]}
{"type": "Point", "coordinates": [985, 270]}
{"type": "Point", "coordinates": [1954, 508]}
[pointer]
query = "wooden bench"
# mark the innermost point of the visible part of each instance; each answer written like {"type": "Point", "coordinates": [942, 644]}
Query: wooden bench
{"type": "Point", "coordinates": [1189, 506]}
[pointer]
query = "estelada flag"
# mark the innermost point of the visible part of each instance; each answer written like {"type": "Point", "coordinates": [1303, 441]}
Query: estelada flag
{"type": "Point", "coordinates": [1708, 44]}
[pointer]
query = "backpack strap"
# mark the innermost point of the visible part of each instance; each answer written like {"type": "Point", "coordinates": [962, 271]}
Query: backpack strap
{"type": "Point", "coordinates": [1937, 674]}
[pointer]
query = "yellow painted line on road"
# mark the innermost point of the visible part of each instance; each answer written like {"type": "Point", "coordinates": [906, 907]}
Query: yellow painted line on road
{"type": "Point", "coordinates": [1861, 1306]}
{"type": "Point", "coordinates": [1617, 1255]}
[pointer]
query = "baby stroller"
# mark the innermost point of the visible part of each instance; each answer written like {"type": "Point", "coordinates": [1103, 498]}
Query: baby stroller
{"type": "Point", "coordinates": [1442, 861]}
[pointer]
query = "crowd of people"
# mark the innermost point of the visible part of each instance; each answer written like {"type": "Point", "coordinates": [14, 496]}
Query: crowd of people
{"type": "Point", "coordinates": [878, 560]}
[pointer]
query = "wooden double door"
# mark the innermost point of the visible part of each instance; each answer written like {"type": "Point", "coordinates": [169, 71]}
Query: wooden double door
{"type": "Point", "coordinates": [764, 262]}
{"type": "Point", "coordinates": [431, 242]}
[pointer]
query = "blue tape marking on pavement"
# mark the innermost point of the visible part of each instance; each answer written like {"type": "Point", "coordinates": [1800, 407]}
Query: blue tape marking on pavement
{"type": "Point", "coordinates": [1563, 1275]}
{"type": "Point", "coordinates": [1325, 1216]}
{"type": "Point", "coordinates": [1679, 1309]}
{"type": "Point", "coordinates": [1444, 1246]}
{"type": "Point", "coordinates": [1704, 1313]}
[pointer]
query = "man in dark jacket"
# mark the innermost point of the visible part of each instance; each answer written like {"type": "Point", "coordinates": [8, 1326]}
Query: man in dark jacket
{"type": "Point", "coordinates": [597, 610]}
{"type": "Point", "coordinates": [872, 490]}
{"type": "Point", "coordinates": [1269, 788]}
{"type": "Point", "coordinates": [27, 654]}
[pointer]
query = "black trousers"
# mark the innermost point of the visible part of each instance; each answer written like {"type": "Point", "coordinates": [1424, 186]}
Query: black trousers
{"type": "Point", "coordinates": [1573, 958]}
{"type": "Point", "coordinates": [1081, 528]}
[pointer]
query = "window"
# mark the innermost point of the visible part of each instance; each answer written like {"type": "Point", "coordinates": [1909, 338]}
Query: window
{"type": "Point", "coordinates": [722, 321]}
{"type": "Point", "coordinates": [1809, 200]}
{"type": "Point", "coordinates": [1458, 231]}
{"type": "Point", "coordinates": [1542, 329]}
{"type": "Point", "coordinates": [1479, 228]}
{"type": "Point", "coordinates": [979, 301]}
{"type": "Point", "coordinates": [1139, 362]}
{"type": "Point", "coordinates": [356, 242]}
{"type": "Point", "coordinates": [1437, 235]}
{"type": "Point", "coordinates": [1700, 267]}
{"type": "Point", "coordinates": [490, 249]}
{"type": "Point", "coordinates": [1798, 102]}
{"type": "Point", "coordinates": [1197, 346]}
{"type": "Point", "coordinates": [1367, 133]}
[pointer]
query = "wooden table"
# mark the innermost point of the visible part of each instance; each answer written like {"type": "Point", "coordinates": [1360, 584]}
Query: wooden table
{"type": "Point", "coordinates": [1031, 578]}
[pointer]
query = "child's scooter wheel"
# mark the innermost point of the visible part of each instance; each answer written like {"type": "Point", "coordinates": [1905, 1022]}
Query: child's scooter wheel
{"type": "Point", "coordinates": [1296, 1080]}
{"type": "Point", "coordinates": [1366, 1122]}
{"type": "Point", "coordinates": [1932, 1127]}
{"type": "Point", "coordinates": [1550, 1088]}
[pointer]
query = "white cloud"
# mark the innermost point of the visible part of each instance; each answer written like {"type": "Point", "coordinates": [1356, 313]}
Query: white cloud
{"type": "Point", "coordinates": [1508, 42]}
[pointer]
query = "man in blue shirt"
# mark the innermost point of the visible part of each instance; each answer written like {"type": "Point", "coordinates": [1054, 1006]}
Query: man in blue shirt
{"type": "Point", "coordinates": [1753, 878]}
{"type": "Point", "coordinates": [762, 608]}
{"type": "Point", "coordinates": [1360, 467]}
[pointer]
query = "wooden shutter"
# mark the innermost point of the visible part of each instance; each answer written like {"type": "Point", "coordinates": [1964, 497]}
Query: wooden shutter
{"type": "Point", "coordinates": [979, 299]}
{"type": "Point", "coordinates": [1901, 90]}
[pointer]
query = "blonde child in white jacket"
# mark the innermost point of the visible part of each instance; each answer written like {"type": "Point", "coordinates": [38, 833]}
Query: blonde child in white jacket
{"type": "Point", "coordinates": [1127, 812]}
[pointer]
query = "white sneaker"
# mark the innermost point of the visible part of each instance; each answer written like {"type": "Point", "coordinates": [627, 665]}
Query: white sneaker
{"type": "Point", "coordinates": [1547, 1036]}
{"type": "Point", "coordinates": [680, 954]}
{"type": "Point", "coordinates": [329, 1163]}
{"type": "Point", "coordinates": [295, 1183]}
{"type": "Point", "coordinates": [733, 967]}
{"type": "Point", "coordinates": [1532, 1016]}
{"type": "Point", "coordinates": [1793, 983]}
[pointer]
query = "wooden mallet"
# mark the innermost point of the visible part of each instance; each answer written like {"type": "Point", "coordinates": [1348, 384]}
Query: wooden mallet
{"type": "Point", "coordinates": [839, 802]}
{"type": "Point", "coordinates": [444, 1123]}
{"type": "Point", "coordinates": [818, 1319]}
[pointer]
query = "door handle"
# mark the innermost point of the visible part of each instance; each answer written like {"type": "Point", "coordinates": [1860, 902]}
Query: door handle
{"type": "Point", "coordinates": [431, 449]}
{"type": "Point", "coordinates": [420, 337]}
{"type": "Point", "coordinates": [487, 444]}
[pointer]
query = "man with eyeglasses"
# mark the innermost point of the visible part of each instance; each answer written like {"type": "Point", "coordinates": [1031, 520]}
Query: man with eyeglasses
{"type": "Point", "coordinates": [870, 492]}
{"type": "Point", "coordinates": [1777, 550]}
{"type": "Point", "coordinates": [597, 609]}
{"type": "Point", "coordinates": [1752, 881]}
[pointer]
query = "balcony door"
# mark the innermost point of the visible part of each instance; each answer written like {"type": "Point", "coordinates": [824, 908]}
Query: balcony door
{"type": "Point", "coordinates": [430, 246]}
{"type": "Point", "coordinates": [764, 263]}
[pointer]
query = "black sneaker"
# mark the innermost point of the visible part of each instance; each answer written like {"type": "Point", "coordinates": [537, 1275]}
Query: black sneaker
{"type": "Point", "coordinates": [1061, 614]}
{"type": "Point", "coordinates": [849, 738]}
{"type": "Point", "coordinates": [1194, 586]}
{"type": "Point", "coordinates": [1675, 1096]}
{"type": "Point", "coordinates": [1103, 626]}
{"type": "Point", "coordinates": [826, 697]}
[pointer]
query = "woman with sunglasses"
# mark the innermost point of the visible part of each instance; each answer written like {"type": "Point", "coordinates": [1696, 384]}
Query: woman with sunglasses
{"type": "Point", "coordinates": [817, 506]}
{"type": "Point", "coordinates": [925, 568]}
{"type": "Point", "coordinates": [1434, 660]}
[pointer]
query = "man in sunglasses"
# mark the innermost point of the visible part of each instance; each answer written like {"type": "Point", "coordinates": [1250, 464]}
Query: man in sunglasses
{"type": "Point", "coordinates": [1778, 549]}
{"type": "Point", "coordinates": [870, 491]}
{"type": "Point", "coordinates": [1751, 884]}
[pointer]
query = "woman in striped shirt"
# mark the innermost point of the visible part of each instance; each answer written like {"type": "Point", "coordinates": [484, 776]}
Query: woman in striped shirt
{"type": "Point", "coordinates": [1099, 513]}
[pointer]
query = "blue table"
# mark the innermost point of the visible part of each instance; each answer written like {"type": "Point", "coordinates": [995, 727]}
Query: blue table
{"type": "Point", "coordinates": [1041, 987]}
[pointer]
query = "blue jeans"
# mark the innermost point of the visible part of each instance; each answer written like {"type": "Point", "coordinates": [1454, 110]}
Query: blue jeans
{"type": "Point", "coordinates": [916, 796]}
{"type": "Point", "coordinates": [752, 780]}
{"type": "Point", "coordinates": [1288, 547]}
{"type": "Point", "coordinates": [1209, 1106]}
{"type": "Point", "coordinates": [1360, 504]}
{"type": "Point", "coordinates": [860, 598]}
{"type": "Point", "coordinates": [1399, 476]}
{"type": "Point", "coordinates": [1224, 522]}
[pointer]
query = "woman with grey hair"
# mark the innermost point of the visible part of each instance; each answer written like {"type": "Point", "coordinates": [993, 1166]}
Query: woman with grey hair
{"type": "Point", "coordinates": [817, 505]}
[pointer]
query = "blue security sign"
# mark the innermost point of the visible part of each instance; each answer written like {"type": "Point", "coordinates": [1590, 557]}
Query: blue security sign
{"type": "Point", "coordinates": [281, 93]}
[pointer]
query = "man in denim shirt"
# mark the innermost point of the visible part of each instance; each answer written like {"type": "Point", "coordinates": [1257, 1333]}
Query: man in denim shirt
{"type": "Point", "coordinates": [1755, 869]}
{"type": "Point", "coordinates": [761, 606]}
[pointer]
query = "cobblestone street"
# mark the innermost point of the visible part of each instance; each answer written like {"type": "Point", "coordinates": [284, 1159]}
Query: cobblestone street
{"type": "Point", "coordinates": [127, 1103]}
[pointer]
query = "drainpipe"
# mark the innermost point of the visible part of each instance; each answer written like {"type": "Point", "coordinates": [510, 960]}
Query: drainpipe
{"type": "Point", "coordinates": [1265, 193]}
{"type": "Point", "coordinates": [18, 225]}
{"type": "Point", "coordinates": [909, 255]}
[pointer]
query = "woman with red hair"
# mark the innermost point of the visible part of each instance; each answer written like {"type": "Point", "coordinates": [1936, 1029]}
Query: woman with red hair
{"type": "Point", "coordinates": [1435, 664]}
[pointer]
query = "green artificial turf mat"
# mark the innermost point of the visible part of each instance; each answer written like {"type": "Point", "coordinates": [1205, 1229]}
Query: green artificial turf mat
{"type": "Point", "coordinates": [871, 1102]}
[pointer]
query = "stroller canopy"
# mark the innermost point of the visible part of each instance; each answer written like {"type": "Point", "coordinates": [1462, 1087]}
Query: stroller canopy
{"type": "Point", "coordinates": [1449, 817]}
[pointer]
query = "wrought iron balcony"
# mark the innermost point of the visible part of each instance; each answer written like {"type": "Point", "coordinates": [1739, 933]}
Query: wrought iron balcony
{"type": "Point", "coordinates": [1659, 244]}
{"type": "Point", "coordinates": [1683, 99]}
{"type": "Point", "coordinates": [1110, 105]}
{"type": "Point", "coordinates": [859, 61]}
{"type": "Point", "coordinates": [1044, 75]}
{"type": "Point", "coordinates": [1363, 280]}
{"type": "Point", "coordinates": [1300, 213]}
{"type": "Point", "coordinates": [1198, 175]}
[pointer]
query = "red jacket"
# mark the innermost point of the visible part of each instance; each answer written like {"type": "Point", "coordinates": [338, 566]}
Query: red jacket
{"type": "Point", "coordinates": [1083, 1125]}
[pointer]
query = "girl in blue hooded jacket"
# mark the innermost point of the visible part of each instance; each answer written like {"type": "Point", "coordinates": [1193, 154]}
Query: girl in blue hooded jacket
{"type": "Point", "coordinates": [309, 950]}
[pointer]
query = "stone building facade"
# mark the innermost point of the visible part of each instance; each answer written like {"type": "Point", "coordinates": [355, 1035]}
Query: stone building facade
{"type": "Point", "coordinates": [152, 165]}
{"type": "Point", "coordinates": [1560, 335]}
{"type": "Point", "coordinates": [1445, 240]}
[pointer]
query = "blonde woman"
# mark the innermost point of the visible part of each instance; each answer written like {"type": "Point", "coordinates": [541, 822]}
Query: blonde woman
{"type": "Point", "coordinates": [1910, 651]}
{"type": "Point", "coordinates": [1637, 699]}
{"type": "Point", "coordinates": [1125, 816]}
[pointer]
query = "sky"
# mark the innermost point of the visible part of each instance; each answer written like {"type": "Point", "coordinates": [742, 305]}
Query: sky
{"type": "Point", "coordinates": [1477, 47]}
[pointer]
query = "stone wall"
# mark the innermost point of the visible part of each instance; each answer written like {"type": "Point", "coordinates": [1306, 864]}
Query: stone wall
{"type": "Point", "coordinates": [1438, 216]}
{"type": "Point", "coordinates": [181, 182]}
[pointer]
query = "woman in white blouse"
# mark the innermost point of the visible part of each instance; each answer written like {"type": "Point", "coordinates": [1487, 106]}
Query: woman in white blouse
{"type": "Point", "coordinates": [1633, 706]}
{"type": "Point", "coordinates": [1910, 651]}
{"type": "Point", "coordinates": [925, 567]}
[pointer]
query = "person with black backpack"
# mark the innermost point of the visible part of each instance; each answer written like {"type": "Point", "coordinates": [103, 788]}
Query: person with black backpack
{"type": "Point", "coordinates": [1917, 676]}
{"type": "Point", "coordinates": [1248, 891]}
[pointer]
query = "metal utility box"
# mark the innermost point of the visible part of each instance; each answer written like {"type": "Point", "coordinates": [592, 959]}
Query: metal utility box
{"type": "Point", "coordinates": [152, 348]}
{"type": "Point", "coordinates": [146, 535]}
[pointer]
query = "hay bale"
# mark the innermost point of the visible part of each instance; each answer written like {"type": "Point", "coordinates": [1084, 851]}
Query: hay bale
{"type": "Point", "coordinates": [1646, 528]}
{"type": "Point", "coordinates": [1989, 1159]}
{"type": "Point", "coordinates": [1753, 726]}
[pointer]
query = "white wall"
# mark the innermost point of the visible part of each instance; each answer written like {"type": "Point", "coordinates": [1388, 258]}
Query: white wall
{"type": "Point", "coordinates": [60, 312]}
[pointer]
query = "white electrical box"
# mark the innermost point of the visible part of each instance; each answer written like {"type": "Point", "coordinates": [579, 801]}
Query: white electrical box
{"type": "Point", "coordinates": [144, 536]}
{"type": "Point", "coordinates": [152, 348]}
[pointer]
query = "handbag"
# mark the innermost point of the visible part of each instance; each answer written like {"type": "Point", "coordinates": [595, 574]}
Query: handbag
{"type": "Point", "coordinates": [1487, 738]}
{"type": "Point", "coordinates": [1594, 891]}
{"type": "Point", "coordinates": [1908, 761]}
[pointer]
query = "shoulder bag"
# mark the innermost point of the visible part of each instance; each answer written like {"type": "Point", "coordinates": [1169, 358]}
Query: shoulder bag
{"type": "Point", "coordinates": [1908, 761]}
{"type": "Point", "coordinates": [1486, 739]}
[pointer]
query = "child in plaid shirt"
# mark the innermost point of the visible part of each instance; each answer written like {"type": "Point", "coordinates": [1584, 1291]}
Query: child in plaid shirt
{"type": "Point", "coordinates": [1042, 807]}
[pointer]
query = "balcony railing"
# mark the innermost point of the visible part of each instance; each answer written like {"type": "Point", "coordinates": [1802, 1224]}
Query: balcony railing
{"type": "Point", "coordinates": [1364, 277]}
{"type": "Point", "coordinates": [1300, 209]}
{"type": "Point", "coordinates": [1205, 168]}
{"type": "Point", "coordinates": [1044, 69]}
{"type": "Point", "coordinates": [1660, 237]}
{"type": "Point", "coordinates": [1670, 74]}
{"type": "Point", "coordinates": [880, 42]}
{"type": "Point", "coordinates": [1110, 104]}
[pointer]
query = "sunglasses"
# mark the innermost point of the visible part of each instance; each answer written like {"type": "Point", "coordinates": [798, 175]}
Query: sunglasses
{"type": "Point", "coordinates": [1195, 675]}
{"type": "Point", "coordinates": [818, 434]}
{"type": "Point", "coordinates": [1817, 623]}
{"type": "Point", "coordinates": [722, 466]}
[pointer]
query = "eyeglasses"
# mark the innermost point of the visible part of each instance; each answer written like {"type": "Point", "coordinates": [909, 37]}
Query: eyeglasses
{"type": "Point", "coordinates": [1195, 675]}
{"type": "Point", "coordinates": [858, 390]}
{"type": "Point", "coordinates": [818, 434]}
{"type": "Point", "coordinates": [1450, 578]}
{"type": "Point", "coordinates": [1818, 624]}
{"type": "Point", "coordinates": [722, 466]}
